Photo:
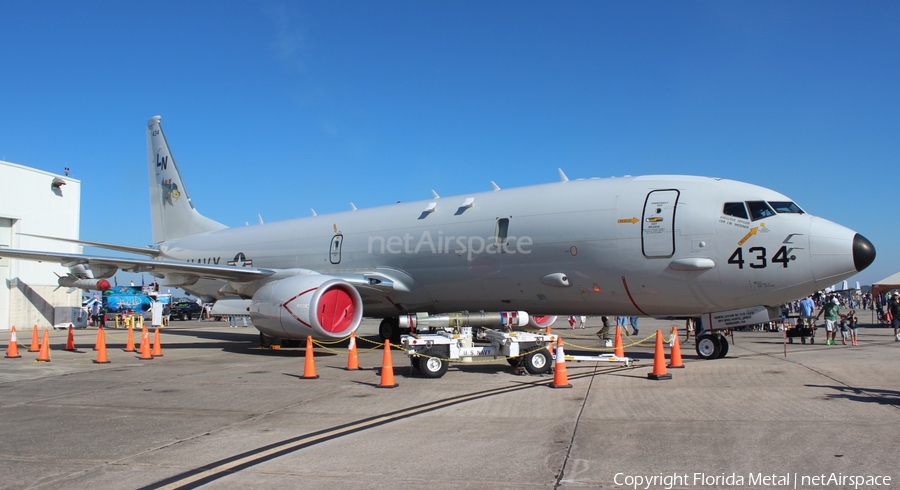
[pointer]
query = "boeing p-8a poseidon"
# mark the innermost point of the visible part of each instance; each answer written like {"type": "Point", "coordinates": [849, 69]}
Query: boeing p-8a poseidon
{"type": "Point", "coordinates": [662, 245]}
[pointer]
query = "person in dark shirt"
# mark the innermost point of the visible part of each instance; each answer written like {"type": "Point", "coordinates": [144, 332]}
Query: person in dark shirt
{"type": "Point", "coordinates": [894, 309]}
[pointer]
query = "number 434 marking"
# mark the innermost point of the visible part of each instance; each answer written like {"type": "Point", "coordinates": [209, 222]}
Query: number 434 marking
{"type": "Point", "coordinates": [757, 257]}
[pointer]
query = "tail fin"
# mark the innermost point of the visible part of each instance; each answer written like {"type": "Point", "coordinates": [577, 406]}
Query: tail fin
{"type": "Point", "coordinates": [171, 211]}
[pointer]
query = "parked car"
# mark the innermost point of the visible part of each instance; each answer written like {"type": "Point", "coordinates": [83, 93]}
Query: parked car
{"type": "Point", "coordinates": [185, 311]}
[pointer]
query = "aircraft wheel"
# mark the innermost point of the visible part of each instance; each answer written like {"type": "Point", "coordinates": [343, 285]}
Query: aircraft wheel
{"type": "Point", "coordinates": [265, 341]}
{"type": "Point", "coordinates": [707, 347]}
{"type": "Point", "coordinates": [538, 362]}
{"type": "Point", "coordinates": [723, 345]}
{"type": "Point", "coordinates": [390, 330]}
{"type": "Point", "coordinates": [433, 367]}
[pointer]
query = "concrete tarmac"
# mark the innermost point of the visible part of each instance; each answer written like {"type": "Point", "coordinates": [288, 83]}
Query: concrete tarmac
{"type": "Point", "coordinates": [216, 411]}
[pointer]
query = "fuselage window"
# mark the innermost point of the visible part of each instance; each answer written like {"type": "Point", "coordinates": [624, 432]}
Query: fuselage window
{"type": "Point", "coordinates": [782, 207]}
{"type": "Point", "coordinates": [735, 209]}
{"type": "Point", "coordinates": [759, 210]}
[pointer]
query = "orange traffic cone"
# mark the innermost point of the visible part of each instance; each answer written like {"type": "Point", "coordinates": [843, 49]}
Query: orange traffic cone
{"type": "Point", "coordinates": [387, 368]}
{"type": "Point", "coordinates": [157, 346]}
{"type": "Point", "coordinates": [101, 348]}
{"type": "Point", "coordinates": [618, 351]}
{"type": "Point", "coordinates": [675, 352]}
{"type": "Point", "coordinates": [44, 355]}
{"type": "Point", "coordinates": [129, 342]}
{"type": "Point", "coordinates": [12, 351]}
{"type": "Point", "coordinates": [35, 343]}
{"type": "Point", "coordinates": [309, 369]}
{"type": "Point", "coordinates": [659, 360]}
{"type": "Point", "coordinates": [97, 342]}
{"type": "Point", "coordinates": [352, 356]}
{"type": "Point", "coordinates": [70, 341]}
{"type": "Point", "coordinates": [145, 345]}
{"type": "Point", "coordinates": [560, 375]}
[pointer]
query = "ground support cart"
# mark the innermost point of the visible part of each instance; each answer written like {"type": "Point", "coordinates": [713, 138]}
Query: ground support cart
{"type": "Point", "coordinates": [431, 353]}
{"type": "Point", "coordinates": [804, 332]}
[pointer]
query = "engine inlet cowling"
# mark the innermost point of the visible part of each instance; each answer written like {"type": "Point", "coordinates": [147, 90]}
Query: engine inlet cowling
{"type": "Point", "coordinates": [322, 306]}
{"type": "Point", "coordinates": [541, 321]}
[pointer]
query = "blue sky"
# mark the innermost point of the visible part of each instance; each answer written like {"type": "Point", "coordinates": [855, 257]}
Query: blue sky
{"type": "Point", "coordinates": [278, 107]}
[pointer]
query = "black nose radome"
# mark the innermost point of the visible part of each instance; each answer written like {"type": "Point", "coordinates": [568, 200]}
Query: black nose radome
{"type": "Point", "coordinates": [863, 252]}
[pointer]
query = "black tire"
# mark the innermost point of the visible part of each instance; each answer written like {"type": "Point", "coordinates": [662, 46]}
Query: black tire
{"type": "Point", "coordinates": [538, 362]}
{"type": "Point", "coordinates": [185, 317]}
{"type": "Point", "coordinates": [707, 347]}
{"type": "Point", "coordinates": [265, 341]}
{"type": "Point", "coordinates": [802, 340]}
{"type": "Point", "coordinates": [723, 345]}
{"type": "Point", "coordinates": [433, 366]}
{"type": "Point", "coordinates": [390, 330]}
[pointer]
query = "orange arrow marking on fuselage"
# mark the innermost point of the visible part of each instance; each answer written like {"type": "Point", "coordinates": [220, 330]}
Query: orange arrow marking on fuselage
{"type": "Point", "coordinates": [748, 235]}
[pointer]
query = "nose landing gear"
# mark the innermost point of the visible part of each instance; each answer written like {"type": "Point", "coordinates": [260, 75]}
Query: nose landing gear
{"type": "Point", "coordinates": [711, 345]}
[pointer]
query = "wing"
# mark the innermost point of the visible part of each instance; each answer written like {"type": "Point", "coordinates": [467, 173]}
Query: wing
{"type": "Point", "coordinates": [148, 251]}
{"type": "Point", "coordinates": [107, 266]}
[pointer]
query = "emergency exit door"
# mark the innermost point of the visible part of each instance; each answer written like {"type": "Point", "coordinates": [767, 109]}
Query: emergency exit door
{"type": "Point", "coordinates": [658, 223]}
{"type": "Point", "coordinates": [336, 248]}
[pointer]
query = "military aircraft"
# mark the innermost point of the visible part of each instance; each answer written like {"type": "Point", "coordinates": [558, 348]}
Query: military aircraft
{"type": "Point", "coordinates": [658, 245]}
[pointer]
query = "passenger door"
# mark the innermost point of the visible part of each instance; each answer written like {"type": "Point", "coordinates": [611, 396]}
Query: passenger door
{"type": "Point", "coordinates": [658, 223]}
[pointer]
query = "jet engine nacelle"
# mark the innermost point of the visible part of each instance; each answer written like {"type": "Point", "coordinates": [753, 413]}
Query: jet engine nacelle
{"type": "Point", "coordinates": [322, 306]}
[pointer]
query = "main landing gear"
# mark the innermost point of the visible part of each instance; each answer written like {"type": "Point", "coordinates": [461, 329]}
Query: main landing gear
{"type": "Point", "coordinates": [711, 345]}
{"type": "Point", "coordinates": [390, 330]}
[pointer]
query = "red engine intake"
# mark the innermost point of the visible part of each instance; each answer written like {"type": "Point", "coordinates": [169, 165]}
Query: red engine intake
{"type": "Point", "coordinates": [541, 321]}
{"type": "Point", "coordinates": [322, 306]}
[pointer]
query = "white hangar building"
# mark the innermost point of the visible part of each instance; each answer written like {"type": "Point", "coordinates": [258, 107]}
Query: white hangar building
{"type": "Point", "coordinates": [35, 202]}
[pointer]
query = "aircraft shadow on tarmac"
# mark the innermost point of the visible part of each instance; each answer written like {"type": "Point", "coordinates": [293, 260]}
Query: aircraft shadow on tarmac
{"type": "Point", "coordinates": [866, 395]}
{"type": "Point", "coordinates": [246, 341]}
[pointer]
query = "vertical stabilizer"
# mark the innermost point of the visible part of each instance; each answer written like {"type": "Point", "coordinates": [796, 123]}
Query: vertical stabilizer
{"type": "Point", "coordinates": [172, 213]}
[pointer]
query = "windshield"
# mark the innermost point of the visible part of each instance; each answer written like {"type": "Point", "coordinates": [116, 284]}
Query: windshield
{"type": "Point", "coordinates": [782, 207]}
{"type": "Point", "coordinates": [759, 210]}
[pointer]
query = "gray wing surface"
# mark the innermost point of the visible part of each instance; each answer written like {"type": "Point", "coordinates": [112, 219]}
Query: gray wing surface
{"type": "Point", "coordinates": [109, 265]}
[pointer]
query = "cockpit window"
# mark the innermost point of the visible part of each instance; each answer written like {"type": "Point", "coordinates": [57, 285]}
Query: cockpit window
{"type": "Point", "coordinates": [782, 207]}
{"type": "Point", "coordinates": [759, 210]}
{"type": "Point", "coordinates": [736, 209]}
